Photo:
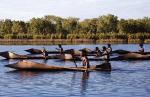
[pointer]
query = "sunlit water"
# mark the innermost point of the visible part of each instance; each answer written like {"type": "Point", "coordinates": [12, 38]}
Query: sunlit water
{"type": "Point", "coordinates": [127, 78]}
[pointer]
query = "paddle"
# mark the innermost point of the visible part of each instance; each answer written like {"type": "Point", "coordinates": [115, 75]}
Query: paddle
{"type": "Point", "coordinates": [72, 53]}
{"type": "Point", "coordinates": [85, 61]}
{"type": "Point", "coordinates": [44, 52]}
{"type": "Point", "coordinates": [75, 62]}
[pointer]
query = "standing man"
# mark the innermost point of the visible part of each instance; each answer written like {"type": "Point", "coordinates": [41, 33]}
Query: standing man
{"type": "Point", "coordinates": [44, 52]}
{"type": "Point", "coordinates": [98, 52]}
{"type": "Point", "coordinates": [60, 49]}
{"type": "Point", "coordinates": [109, 48]}
{"type": "Point", "coordinates": [141, 49]}
{"type": "Point", "coordinates": [105, 53]}
{"type": "Point", "coordinates": [106, 66]}
{"type": "Point", "coordinates": [85, 61]}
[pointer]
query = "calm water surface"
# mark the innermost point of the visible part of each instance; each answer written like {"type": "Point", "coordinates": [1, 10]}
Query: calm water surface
{"type": "Point", "coordinates": [127, 78]}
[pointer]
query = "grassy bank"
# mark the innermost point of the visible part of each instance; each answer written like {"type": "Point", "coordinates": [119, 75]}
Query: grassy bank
{"type": "Point", "coordinates": [74, 38]}
{"type": "Point", "coordinates": [67, 41]}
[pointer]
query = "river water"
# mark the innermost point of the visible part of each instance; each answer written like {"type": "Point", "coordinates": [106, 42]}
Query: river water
{"type": "Point", "coordinates": [127, 78]}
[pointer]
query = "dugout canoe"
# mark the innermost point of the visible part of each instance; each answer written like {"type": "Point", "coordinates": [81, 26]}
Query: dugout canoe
{"type": "Point", "coordinates": [76, 52]}
{"type": "Point", "coordinates": [128, 56]}
{"type": "Point", "coordinates": [12, 55]}
{"type": "Point", "coordinates": [120, 51]}
{"type": "Point", "coordinates": [131, 56]}
{"type": "Point", "coordinates": [34, 66]}
{"type": "Point", "coordinates": [38, 51]}
{"type": "Point", "coordinates": [34, 51]}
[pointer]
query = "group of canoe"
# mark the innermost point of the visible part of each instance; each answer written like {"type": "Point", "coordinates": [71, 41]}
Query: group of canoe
{"type": "Point", "coordinates": [74, 55]}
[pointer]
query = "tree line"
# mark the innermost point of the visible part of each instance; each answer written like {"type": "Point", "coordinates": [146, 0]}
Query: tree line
{"type": "Point", "coordinates": [54, 27]}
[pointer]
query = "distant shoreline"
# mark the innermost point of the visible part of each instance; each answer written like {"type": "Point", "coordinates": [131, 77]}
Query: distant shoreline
{"type": "Point", "coordinates": [69, 41]}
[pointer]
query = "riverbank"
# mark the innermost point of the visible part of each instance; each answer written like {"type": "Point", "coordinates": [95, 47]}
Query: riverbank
{"type": "Point", "coordinates": [69, 41]}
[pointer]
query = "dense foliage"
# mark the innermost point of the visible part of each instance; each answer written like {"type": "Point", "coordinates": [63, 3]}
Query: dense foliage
{"type": "Point", "coordinates": [54, 27]}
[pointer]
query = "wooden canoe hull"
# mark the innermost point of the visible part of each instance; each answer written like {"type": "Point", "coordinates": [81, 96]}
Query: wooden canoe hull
{"type": "Point", "coordinates": [128, 56]}
{"type": "Point", "coordinates": [76, 52]}
{"type": "Point", "coordinates": [34, 66]}
{"type": "Point", "coordinates": [132, 56]}
{"type": "Point", "coordinates": [126, 52]}
{"type": "Point", "coordinates": [38, 51]}
{"type": "Point", "coordinates": [11, 55]}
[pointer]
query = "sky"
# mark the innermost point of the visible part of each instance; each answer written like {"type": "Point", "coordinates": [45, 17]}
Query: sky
{"type": "Point", "coordinates": [83, 9]}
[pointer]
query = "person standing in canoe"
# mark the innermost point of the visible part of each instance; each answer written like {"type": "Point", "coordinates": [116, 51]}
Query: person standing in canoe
{"type": "Point", "coordinates": [73, 56]}
{"type": "Point", "coordinates": [106, 66]}
{"type": "Point", "coordinates": [84, 59]}
{"type": "Point", "coordinates": [60, 49]}
{"type": "Point", "coordinates": [141, 49]}
{"type": "Point", "coordinates": [98, 52]}
{"type": "Point", "coordinates": [105, 54]}
{"type": "Point", "coordinates": [44, 53]}
{"type": "Point", "coordinates": [109, 48]}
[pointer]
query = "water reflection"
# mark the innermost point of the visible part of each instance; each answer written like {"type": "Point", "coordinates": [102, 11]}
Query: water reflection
{"type": "Point", "coordinates": [85, 75]}
{"type": "Point", "coordinates": [84, 82]}
{"type": "Point", "coordinates": [8, 61]}
{"type": "Point", "coordinates": [105, 66]}
{"type": "Point", "coordinates": [24, 74]}
{"type": "Point", "coordinates": [45, 61]}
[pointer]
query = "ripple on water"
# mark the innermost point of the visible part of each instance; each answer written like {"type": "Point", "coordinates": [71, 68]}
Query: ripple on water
{"type": "Point", "coordinates": [127, 79]}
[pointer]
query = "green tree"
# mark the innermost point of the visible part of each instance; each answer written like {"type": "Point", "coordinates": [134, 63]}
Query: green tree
{"type": "Point", "coordinates": [19, 27]}
{"type": "Point", "coordinates": [107, 23]}
{"type": "Point", "coordinates": [84, 26]}
{"type": "Point", "coordinates": [122, 26]}
{"type": "Point", "coordinates": [71, 24]}
{"type": "Point", "coordinates": [59, 28]}
{"type": "Point", "coordinates": [93, 26]}
{"type": "Point", "coordinates": [41, 26]}
{"type": "Point", "coordinates": [6, 26]}
{"type": "Point", "coordinates": [146, 23]}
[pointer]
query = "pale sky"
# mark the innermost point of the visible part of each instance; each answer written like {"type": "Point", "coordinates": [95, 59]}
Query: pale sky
{"type": "Point", "coordinates": [27, 9]}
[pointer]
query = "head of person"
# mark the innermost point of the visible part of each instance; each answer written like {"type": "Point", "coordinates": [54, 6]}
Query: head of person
{"type": "Point", "coordinates": [59, 45]}
{"type": "Point", "coordinates": [104, 48]}
{"type": "Point", "coordinates": [84, 53]}
{"type": "Point", "coordinates": [72, 51]}
{"type": "Point", "coordinates": [96, 48]}
{"type": "Point", "coordinates": [109, 45]}
{"type": "Point", "coordinates": [141, 45]}
{"type": "Point", "coordinates": [43, 49]}
{"type": "Point", "coordinates": [106, 61]}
